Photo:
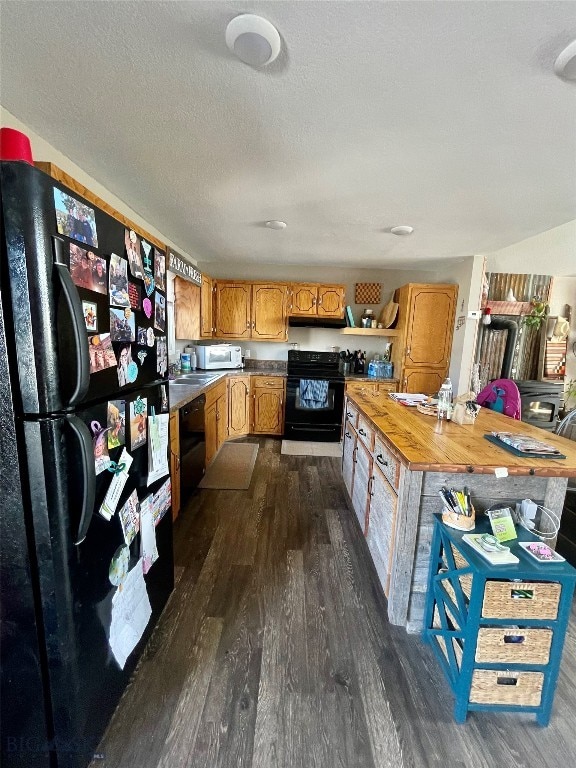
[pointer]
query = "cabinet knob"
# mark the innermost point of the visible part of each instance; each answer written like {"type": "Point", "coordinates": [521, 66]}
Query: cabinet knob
{"type": "Point", "coordinates": [361, 432]}
{"type": "Point", "coordinates": [380, 460]}
{"type": "Point", "coordinates": [354, 454]}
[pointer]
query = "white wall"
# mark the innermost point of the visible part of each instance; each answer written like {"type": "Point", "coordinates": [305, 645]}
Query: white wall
{"type": "Point", "coordinates": [549, 253]}
{"type": "Point", "coordinates": [42, 151]}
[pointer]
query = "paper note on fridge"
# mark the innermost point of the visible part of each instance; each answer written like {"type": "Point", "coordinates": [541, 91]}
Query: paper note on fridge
{"type": "Point", "coordinates": [158, 446]}
{"type": "Point", "coordinates": [148, 549]}
{"type": "Point", "coordinates": [131, 613]}
{"type": "Point", "coordinates": [117, 485]}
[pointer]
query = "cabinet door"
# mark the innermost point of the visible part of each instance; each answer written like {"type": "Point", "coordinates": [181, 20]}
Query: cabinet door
{"type": "Point", "coordinates": [186, 309]}
{"type": "Point", "coordinates": [304, 299]}
{"type": "Point", "coordinates": [381, 523]}
{"type": "Point", "coordinates": [349, 458]}
{"type": "Point", "coordinates": [362, 472]}
{"type": "Point", "coordinates": [238, 406]}
{"type": "Point", "coordinates": [428, 382]}
{"type": "Point", "coordinates": [175, 462]}
{"type": "Point", "coordinates": [430, 324]}
{"type": "Point", "coordinates": [221, 420]}
{"type": "Point", "coordinates": [330, 301]}
{"type": "Point", "coordinates": [269, 311]}
{"type": "Point", "coordinates": [211, 427]}
{"type": "Point", "coordinates": [268, 406]}
{"type": "Point", "coordinates": [233, 310]}
{"type": "Point", "coordinates": [206, 310]}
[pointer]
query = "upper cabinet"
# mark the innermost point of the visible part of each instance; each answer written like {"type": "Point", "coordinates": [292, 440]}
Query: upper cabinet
{"type": "Point", "coordinates": [421, 355]}
{"type": "Point", "coordinates": [309, 299]}
{"type": "Point", "coordinates": [247, 310]}
{"type": "Point", "coordinates": [186, 309]}
{"type": "Point", "coordinates": [206, 311]}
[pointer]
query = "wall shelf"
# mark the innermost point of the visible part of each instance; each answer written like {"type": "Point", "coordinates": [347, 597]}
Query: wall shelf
{"type": "Point", "coordinates": [390, 332]}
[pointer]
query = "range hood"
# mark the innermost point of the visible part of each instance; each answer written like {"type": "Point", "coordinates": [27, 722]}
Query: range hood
{"type": "Point", "coordinates": [316, 322]}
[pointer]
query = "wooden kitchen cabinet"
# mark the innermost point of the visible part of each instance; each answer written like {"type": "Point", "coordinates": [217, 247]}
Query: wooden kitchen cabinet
{"type": "Point", "coordinates": [215, 419]}
{"type": "Point", "coordinates": [372, 386]}
{"type": "Point", "coordinates": [380, 523]}
{"type": "Point", "coordinates": [174, 432]}
{"type": "Point", "coordinates": [238, 406]}
{"type": "Point", "coordinates": [316, 300]}
{"type": "Point", "coordinates": [186, 309]}
{"type": "Point", "coordinates": [421, 354]}
{"type": "Point", "coordinates": [268, 395]}
{"type": "Point", "coordinates": [206, 308]}
{"type": "Point", "coordinates": [256, 311]}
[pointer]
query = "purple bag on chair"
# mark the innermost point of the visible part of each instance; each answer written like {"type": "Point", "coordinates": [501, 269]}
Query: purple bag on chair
{"type": "Point", "coordinates": [501, 395]}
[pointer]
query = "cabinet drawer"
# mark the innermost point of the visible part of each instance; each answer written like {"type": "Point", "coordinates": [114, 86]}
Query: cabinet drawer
{"type": "Point", "coordinates": [490, 686]}
{"type": "Point", "coordinates": [215, 391]}
{"type": "Point", "coordinates": [497, 645]}
{"type": "Point", "coordinates": [351, 414]}
{"type": "Point", "coordinates": [366, 433]}
{"type": "Point", "coordinates": [271, 382]}
{"type": "Point", "coordinates": [386, 462]}
{"type": "Point", "coordinates": [527, 600]}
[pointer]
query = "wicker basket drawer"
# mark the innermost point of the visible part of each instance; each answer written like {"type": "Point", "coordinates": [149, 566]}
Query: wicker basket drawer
{"type": "Point", "coordinates": [387, 463]}
{"type": "Point", "coordinates": [493, 687]}
{"type": "Point", "coordinates": [466, 579]}
{"type": "Point", "coordinates": [526, 600]}
{"type": "Point", "coordinates": [514, 646]}
{"type": "Point", "coordinates": [351, 414]}
{"type": "Point", "coordinates": [366, 433]}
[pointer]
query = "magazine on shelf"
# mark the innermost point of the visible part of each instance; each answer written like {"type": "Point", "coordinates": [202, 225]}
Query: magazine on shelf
{"type": "Point", "coordinates": [526, 444]}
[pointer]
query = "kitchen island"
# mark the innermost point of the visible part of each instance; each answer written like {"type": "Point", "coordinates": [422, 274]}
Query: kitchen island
{"type": "Point", "coordinates": [395, 460]}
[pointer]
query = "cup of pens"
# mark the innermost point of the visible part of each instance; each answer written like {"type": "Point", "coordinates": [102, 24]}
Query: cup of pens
{"type": "Point", "coordinates": [458, 511]}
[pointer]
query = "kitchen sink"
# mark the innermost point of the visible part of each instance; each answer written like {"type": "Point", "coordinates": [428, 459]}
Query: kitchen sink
{"type": "Point", "coordinates": [195, 378]}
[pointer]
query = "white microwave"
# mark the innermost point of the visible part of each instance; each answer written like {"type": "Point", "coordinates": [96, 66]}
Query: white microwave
{"type": "Point", "coordinates": [215, 356]}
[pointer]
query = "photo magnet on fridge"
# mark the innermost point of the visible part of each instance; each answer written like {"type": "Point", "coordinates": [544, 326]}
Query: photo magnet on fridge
{"type": "Point", "coordinates": [161, 355]}
{"type": "Point", "coordinates": [160, 269]}
{"type": "Point", "coordinates": [116, 423]}
{"type": "Point", "coordinates": [132, 244]}
{"type": "Point", "coordinates": [74, 219]}
{"type": "Point", "coordinates": [101, 353]}
{"type": "Point", "coordinates": [90, 313]}
{"type": "Point", "coordinates": [122, 325]}
{"type": "Point", "coordinates": [118, 279]}
{"type": "Point", "coordinates": [127, 368]}
{"type": "Point", "coordinates": [134, 295]}
{"type": "Point", "coordinates": [138, 421]}
{"type": "Point", "coordinates": [160, 312]}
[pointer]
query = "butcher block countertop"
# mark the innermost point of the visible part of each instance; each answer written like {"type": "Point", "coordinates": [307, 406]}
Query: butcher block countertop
{"type": "Point", "coordinates": [423, 443]}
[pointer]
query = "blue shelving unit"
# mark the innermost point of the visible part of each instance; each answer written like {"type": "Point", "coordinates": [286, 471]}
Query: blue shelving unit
{"type": "Point", "coordinates": [497, 630]}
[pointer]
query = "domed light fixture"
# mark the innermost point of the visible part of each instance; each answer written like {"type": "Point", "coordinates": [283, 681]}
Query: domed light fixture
{"type": "Point", "coordinates": [402, 230]}
{"type": "Point", "coordinates": [565, 64]}
{"type": "Point", "coordinates": [275, 224]}
{"type": "Point", "coordinates": [253, 39]}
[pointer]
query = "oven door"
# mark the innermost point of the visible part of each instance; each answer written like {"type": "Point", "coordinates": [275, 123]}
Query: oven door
{"type": "Point", "coordinates": [313, 408]}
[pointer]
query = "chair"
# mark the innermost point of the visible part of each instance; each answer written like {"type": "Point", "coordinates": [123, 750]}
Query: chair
{"type": "Point", "coordinates": [566, 544]}
{"type": "Point", "coordinates": [564, 427]}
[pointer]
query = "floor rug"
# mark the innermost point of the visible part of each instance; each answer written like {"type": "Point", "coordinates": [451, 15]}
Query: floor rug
{"type": "Point", "coordinates": [309, 448]}
{"type": "Point", "coordinates": [232, 467]}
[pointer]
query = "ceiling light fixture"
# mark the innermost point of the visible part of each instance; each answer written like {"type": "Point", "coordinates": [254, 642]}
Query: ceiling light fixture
{"type": "Point", "coordinates": [402, 230]}
{"type": "Point", "coordinates": [253, 39]}
{"type": "Point", "coordinates": [275, 224]}
{"type": "Point", "coordinates": [565, 64]}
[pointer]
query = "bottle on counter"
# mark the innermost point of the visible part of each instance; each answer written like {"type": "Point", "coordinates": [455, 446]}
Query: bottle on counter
{"type": "Point", "coordinates": [445, 400]}
{"type": "Point", "coordinates": [193, 359]}
{"type": "Point", "coordinates": [367, 317]}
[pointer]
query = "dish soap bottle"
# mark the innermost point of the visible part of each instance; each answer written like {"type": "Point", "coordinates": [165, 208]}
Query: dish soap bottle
{"type": "Point", "coordinates": [445, 400]}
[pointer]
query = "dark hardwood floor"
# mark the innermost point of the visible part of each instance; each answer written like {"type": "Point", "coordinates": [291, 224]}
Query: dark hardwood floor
{"type": "Point", "coordinates": [274, 650]}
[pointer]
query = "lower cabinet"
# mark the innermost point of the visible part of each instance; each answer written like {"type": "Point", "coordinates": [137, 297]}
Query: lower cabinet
{"type": "Point", "coordinates": [268, 394]}
{"type": "Point", "coordinates": [362, 481]}
{"type": "Point", "coordinates": [174, 431]}
{"type": "Point", "coordinates": [238, 406]}
{"type": "Point", "coordinates": [425, 380]}
{"type": "Point", "coordinates": [349, 457]}
{"type": "Point", "coordinates": [215, 419]}
{"type": "Point", "coordinates": [371, 385]}
{"type": "Point", "coordinates": [381, 521]}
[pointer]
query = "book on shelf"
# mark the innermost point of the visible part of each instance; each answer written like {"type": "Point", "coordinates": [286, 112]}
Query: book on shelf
{"type": "Point", "coordinates": [350, 317]}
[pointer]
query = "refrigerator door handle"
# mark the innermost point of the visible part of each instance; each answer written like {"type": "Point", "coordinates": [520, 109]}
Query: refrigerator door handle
{"type": "Point", "coordinates": [74, 305]}
{"type": "Point", "coordinates": [88, 473]}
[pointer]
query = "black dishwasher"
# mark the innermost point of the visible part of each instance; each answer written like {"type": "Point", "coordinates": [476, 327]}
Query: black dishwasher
{"type": "Point", "coordinates": [192, 444]}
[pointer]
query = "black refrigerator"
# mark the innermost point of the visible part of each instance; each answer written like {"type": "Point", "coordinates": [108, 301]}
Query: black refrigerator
{"type": "Point", "coordinates": [83, 371]}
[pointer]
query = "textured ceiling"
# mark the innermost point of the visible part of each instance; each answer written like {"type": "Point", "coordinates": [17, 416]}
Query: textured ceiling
{"type": "Point", "coordinates": [444, 116]}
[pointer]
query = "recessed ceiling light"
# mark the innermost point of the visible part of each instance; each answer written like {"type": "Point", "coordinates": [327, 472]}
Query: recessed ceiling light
{"type": "Point", "coordinates": [565, 64]}
{"type": "Point", "coordinates": [253, 39]}
{"type": "Point", "coordinates": [402, 230]}
{"type": "Point", "coordinates": [275, 224]}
